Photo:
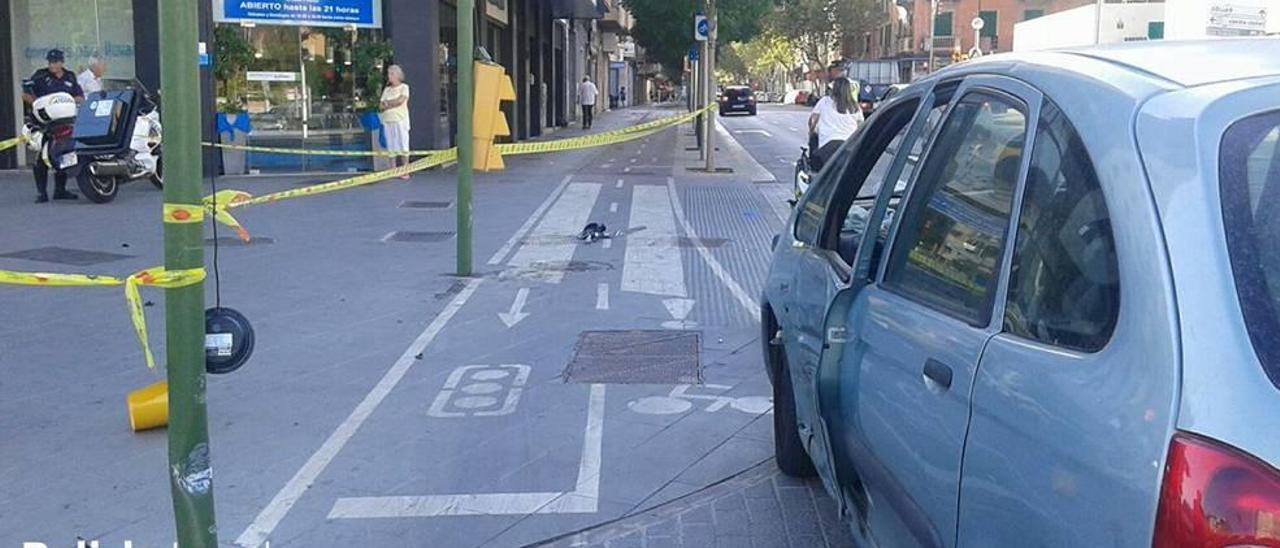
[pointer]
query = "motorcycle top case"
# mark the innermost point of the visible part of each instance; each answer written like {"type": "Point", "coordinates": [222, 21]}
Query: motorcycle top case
{"type": "Point", "coordinates": [105, 118]}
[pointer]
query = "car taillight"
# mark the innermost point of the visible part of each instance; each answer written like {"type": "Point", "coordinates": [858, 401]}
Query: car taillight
{"type": "Point", "coordinates": [1216, 496]}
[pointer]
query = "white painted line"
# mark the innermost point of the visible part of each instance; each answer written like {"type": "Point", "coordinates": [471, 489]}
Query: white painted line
{"type": "Point", "coordinates": [505, 250]}
{"type": "Point", "coordinates": [602, 297]}
{"type": "Point", "coordinates": [652, 263]}
{"type": "Point", "coordinates": [551, 242]}
{"type": "Point", "coordinates": [387, 238]}
{"type": "Point", "coordinates": [270, 516]}
{"type": "Point", "coordinates": [743, 298]}
{"type": "Point", "coordinates": [626, 169]}
{"type": "Point", "coordinates": [636, 159]}
{"type": "Point", "coordinates": [754, 131]}
{"type": "Point", "coordinates": [619, 185]}
{"type": "Point", "coordinates": [613, 207]}
{"type": "Point", "coordinates": [584, 499]}
{"type": "Point", "coordinates": [608, 243]}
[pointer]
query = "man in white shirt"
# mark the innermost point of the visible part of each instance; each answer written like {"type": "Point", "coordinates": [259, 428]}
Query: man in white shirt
{"type": "Point", "coordinates": [91, 79]}
{"type": "Point", "coordinates": [587, 93]}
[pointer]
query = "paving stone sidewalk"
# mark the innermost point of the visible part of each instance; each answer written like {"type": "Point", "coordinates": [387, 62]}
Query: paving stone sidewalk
{"type": "Point", "coordinates": [759, 508]}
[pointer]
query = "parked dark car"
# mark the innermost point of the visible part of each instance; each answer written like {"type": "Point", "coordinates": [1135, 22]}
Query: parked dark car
{"type": "Point", "coordinates": [738, 99]}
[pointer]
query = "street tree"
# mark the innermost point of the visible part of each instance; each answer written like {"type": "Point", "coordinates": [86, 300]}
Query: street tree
{"type": "Point", "coordinates": [664, 28]}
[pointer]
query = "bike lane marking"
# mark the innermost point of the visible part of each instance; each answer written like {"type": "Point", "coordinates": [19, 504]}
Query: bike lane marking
{"type": "Point", "coordinates": [584, 498]}
{"type": "Point", "coordinates": [262, 526]}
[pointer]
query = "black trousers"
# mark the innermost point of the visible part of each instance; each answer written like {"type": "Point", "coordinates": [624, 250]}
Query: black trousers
{"type": "Point", "coordinates": [41, 172]}
{"type": "Point", "coordinates": [587, 115]}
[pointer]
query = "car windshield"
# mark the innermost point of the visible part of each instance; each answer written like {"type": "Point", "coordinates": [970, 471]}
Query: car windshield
{"type": "Point", "coordinates": [737, 92]}
{"type": "Point", "coordinates": [1250, 177]}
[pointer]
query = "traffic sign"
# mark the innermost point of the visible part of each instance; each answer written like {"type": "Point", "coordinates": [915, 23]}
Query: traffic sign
{"type": "Point", "coordinates": [701, 27]}
{"type": "Point", "coordinates": [693, 53]}
{"type": "Point", "coordinates": [977, 23]}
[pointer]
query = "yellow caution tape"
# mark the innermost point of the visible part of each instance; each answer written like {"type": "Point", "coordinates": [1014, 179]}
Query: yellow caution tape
{"type": "Point", "coordinates": [152, 277]}
{"type": "Point", "coordinates": [321, 152]}
{"type": "Point", "coordinates": [10, 143]}
{"type": "Point", "coordinates": [183, 213]}
{"type": "Point", "coordinates": [586, 141]}
{"type": "Point", "coordinates": [222, 202]}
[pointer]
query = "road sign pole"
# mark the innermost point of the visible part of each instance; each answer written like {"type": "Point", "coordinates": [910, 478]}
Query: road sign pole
{"type": "Point", "coordinates": [466, 151]}
{"type": "Point", "coordinates": [190, 473]}
{"type": "Point", "coordinates": [710, 85]}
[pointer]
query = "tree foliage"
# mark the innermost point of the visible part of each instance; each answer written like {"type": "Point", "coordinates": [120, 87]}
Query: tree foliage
{"type": "Point", "coordinates": [818, 28]}
{"type": "Point", "coordinates": [664, 28]}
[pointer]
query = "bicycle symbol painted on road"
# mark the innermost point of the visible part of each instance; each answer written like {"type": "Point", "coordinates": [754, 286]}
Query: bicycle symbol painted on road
{"type": "Point", "coordinates": [478, 391]}
{"type": "Point", "coordinates": [681, 401]}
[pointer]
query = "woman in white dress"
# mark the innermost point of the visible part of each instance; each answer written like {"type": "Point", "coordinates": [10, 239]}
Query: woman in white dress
{"type": "Point", "coordinates": [395, 115]}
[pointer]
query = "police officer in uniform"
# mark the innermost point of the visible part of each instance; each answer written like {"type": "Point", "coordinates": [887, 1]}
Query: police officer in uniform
{"type": "Point", "coordinates": [53, 79]}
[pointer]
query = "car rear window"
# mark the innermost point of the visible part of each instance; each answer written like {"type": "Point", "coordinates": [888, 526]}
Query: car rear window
{"type": "Point", "coordinates": [1249, 173]}
{"type": "Point", "coordinates": [737, 92]}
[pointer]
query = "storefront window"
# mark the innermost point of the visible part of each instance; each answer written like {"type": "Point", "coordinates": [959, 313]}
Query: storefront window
{"type": "Point", "coordinates": [304, 88]}
{"type": "Point", "coordinates": [80, 28]}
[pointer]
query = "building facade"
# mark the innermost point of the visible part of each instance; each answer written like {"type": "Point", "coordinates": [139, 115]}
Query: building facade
{"type": "Point", "coordinates": [308, 73]}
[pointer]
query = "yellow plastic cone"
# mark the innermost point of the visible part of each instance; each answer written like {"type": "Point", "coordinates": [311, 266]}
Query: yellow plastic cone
{"type": "Point", "coordinates": [149, 407]}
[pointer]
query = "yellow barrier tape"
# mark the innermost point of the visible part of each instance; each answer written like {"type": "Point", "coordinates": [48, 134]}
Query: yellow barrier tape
{"type": "Point", "coordinates": [321, 152]}
{"type": "Point", "coordinates": [225, 200]}
{"type": "Point", "coordinates": [10, 143]}
{"type": "Point", "coordinates": [598, 139]}
{"type": "Point", "coordinates": [183, 213]}
{"type": "Point", "coordinates": [152, 277]}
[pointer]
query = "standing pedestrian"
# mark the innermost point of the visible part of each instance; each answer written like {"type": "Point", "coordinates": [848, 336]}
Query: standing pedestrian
{"type": "Point", "coordinates": [587, 93]}
{"type": "Point", "coordinates": [91, 79]}
{"type": "Point", "coordinates": [622, 95]}
{"type": "Point", "coordinates": [53, 79]}
{"type": "Point", "coordinates": [395, 115]}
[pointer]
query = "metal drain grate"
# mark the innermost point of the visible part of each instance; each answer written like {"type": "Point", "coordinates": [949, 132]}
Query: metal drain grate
{"type": "Point", "coordinates": [62, 255]}
{"type": "Point", "coordinates": [417, 237]}
{"type": "Point", "coordinates": [418, 204]}
{"type": "Point", "coordinates": [237, 242]}
{"type": "Point", "coordinates": [636, 357]}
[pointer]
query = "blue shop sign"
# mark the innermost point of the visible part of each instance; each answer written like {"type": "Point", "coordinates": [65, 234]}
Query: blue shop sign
{"type": "Point", "coordinates": [328, 13]}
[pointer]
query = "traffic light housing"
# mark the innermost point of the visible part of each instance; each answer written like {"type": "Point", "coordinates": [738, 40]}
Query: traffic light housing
{"type": "Point", "coordinates": [493, 86]}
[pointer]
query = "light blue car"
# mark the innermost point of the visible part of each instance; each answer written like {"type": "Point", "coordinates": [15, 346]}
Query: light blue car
{"type": "Point", "coordinates": [1035, 301]}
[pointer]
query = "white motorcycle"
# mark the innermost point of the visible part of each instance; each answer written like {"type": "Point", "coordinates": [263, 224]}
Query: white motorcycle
{"type": "Point", "coordinates": [117, 138]}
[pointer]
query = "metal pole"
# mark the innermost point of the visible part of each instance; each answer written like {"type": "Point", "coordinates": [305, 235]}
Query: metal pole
{"type": "Point", "coordinates": [466, 150]}
{"type": "Point", "coordinates": [190, 478]}
{"type": "Point", "coordinates": [1097, 23]}
{"type": "Point", "coordinates": [933, 27]}
{"type": "Point", "coordinates": [710, 73]}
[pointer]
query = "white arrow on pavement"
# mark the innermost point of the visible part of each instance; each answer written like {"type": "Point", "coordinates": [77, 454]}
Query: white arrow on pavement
{"type": "Point", "coordinates": [755, 131]}
{"type": "Point", "coordinates": [517, 312]}
{"type": "Point", "coordinates": [679, 310]}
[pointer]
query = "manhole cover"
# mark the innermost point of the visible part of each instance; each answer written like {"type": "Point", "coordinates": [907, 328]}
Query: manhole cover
{"type": "Point", "coordinates": [418, 204]}
{"type": "Point", "coordinates": [636, 357]}
{"type": "Point", "coordinates": [62, 255]}
{"type": "Point", "coordinates": [233, 241]}
{"type": "Point", "coordinates": [417, 237]}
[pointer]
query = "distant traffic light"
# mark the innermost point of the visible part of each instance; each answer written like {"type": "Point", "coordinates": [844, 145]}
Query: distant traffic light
{"type": "Point", "coordinates": [493, 86]}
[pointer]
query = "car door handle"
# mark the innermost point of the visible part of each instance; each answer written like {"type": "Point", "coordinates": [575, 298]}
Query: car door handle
{"type": "Point", "coordinates": [937, 372]}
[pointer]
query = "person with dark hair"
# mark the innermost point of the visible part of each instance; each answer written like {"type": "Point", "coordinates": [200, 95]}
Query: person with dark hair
{"type": "Point", "coordinates": [834, 120]}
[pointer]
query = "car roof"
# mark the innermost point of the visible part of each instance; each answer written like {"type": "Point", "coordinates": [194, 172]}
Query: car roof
{"type": "Point", "coordinates": [1192, 62]}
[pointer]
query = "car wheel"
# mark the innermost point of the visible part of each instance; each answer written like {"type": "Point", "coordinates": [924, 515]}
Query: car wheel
{"type": "Point", "coordinates": [753, 112]}
{"type": "Point", "coordinates": [787, 448]}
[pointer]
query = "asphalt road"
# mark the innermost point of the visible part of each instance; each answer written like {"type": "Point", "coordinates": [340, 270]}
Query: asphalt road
{"type": "Point", "coordinates": [774, 136]}
{"type": "Point", "coordinates": [563, 388]}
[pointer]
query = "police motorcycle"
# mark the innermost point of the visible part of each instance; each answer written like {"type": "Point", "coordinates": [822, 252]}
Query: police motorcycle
{"type": "Point", "coordinates": [48, 132]}
{"type": "Point", "coordinates": [117, 140]}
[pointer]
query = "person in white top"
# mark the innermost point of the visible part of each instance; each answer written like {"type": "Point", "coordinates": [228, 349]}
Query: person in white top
{"type": "Point", "coordinates": [91, 79]}
{"type": "Point", "coordinates": [834, 119]}
{"type": "Point", "coordinates": [395, 115]}
{"type": "Point", "coordinates": [587, 94]}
